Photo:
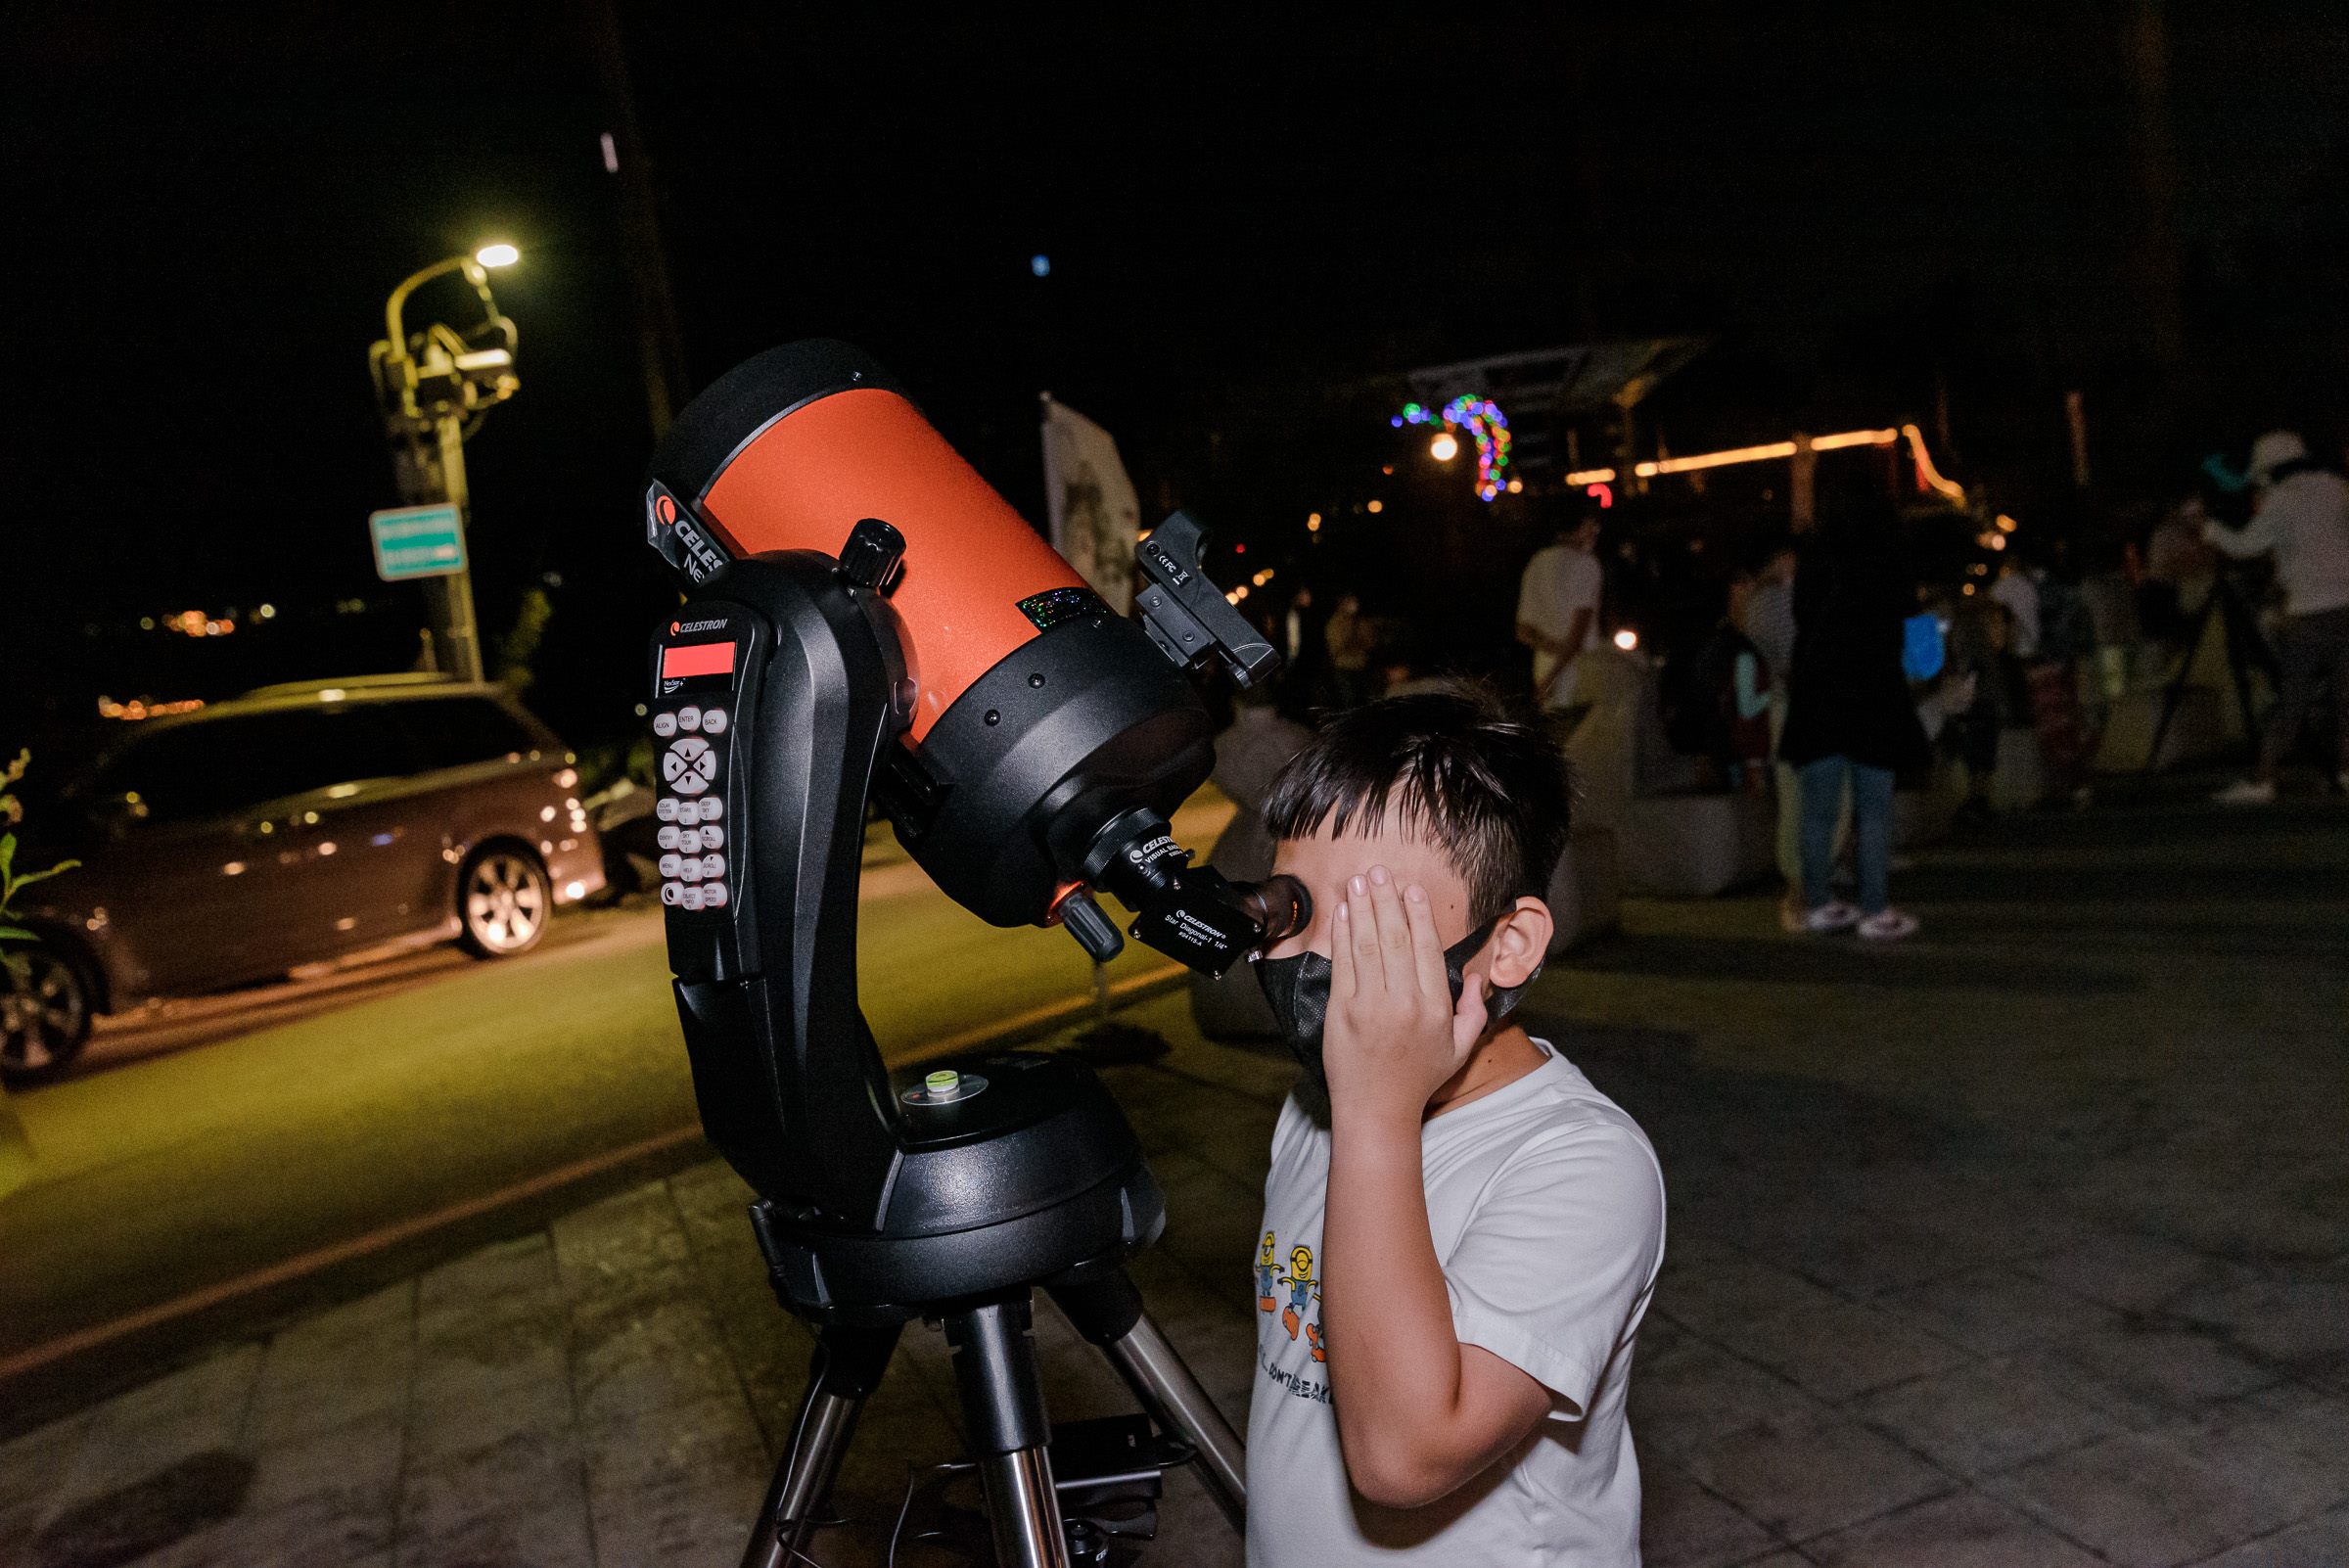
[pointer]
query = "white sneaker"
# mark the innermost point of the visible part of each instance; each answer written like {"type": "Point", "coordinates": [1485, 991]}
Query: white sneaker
{"type": "Point", "coordinates": [2247, 791]}
{"type": "Point", "coordinates": [1833, 915]}
{"type": "Point", "coordinates": [1888, 925]}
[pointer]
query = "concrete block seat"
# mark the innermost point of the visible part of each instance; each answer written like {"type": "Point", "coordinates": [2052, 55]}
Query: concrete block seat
{"type": "Point", "coordinates": [2019, 783]}
{"type": "Point", "coordinates": [1920, 817]}
{"type": "Point", "coordinates": [1586, 896]}
{"type": "Point", "coordinates": [2206, 726]}
{"type": "Point", "coordinates": [1693, 845]}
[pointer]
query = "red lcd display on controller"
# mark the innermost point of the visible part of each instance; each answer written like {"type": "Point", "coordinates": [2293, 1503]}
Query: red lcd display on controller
{"type": "Point", "coordinates": [697, 659]}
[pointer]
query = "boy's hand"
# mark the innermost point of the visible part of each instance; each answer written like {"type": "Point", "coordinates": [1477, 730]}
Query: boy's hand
{"type": "Point", "coordinates": [1393, 1037]}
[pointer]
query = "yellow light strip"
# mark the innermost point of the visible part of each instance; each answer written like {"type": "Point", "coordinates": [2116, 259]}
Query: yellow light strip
{"type": "Point", "coordinates": [1926, 470]}
{"type": "Point", "coordinates": [1734, 454]}
{"type": "Point", "coordinates": [1739, 454]}
{"type": "Point", "coordinates": [1853, 438]}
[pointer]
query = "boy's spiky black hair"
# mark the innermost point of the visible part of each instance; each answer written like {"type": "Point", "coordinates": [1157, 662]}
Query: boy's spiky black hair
{"type": "Point", "coordinates": [1456, 769]}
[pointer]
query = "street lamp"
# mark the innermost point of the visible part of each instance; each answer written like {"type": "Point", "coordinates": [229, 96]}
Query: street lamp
{"type": "Point", "coordinates": [1443, 448]}
{"type": "Point", "coordinates": [433, 389]}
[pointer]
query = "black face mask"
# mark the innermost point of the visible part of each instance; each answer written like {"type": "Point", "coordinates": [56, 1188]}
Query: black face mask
{"type": "Point", "coordinates": [1298, 988]}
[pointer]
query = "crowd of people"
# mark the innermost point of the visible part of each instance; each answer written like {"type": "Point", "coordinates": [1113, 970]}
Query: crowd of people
{"type": "Point", "coordinates": [1829, 665]}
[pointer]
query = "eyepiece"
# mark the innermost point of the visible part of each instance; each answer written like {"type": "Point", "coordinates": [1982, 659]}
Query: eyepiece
{"type": "Point", "coordinates": [1279, 904]}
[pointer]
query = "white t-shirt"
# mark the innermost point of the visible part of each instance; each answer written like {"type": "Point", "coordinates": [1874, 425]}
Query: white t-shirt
{"type": "Point", "coordinates": [2305, 519]}
{"type": "Point", "coordinates": [1558, 582]}
{"type": "Point", "coordinates": [2020, 595]}
{"type": "Point", "coordinates": [1547, 1211]}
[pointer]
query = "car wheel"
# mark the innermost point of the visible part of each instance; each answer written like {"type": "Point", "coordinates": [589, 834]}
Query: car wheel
{"type": "Point", "coordinates": [44, 1014]}
{"type": "Point", "coordinates": [504, 901]}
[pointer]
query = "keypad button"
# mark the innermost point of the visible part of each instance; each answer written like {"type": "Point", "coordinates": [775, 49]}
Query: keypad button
{"type": "Point", "coordinates": [671, 892]}
{"type": "Point", "coordinates": [666, 838]}
{"type": "Point", "coordinates": [664, 724]}
{"type": "Point", "coordinates": [714, 894]}
{"type": "Point", "coordinates": [713, 837]}
{"type": "Point", "coordinates": [689, 717]}
{"type": "Point", "coordinates": [713, 865]}
{"type": "Point", "coordinates": [691, 784]}
{"type": "Point", "coordinates": [665, 807]}
{"type": "Point", "coordinates": [689, 841]}
{"type": "Point", "coordinates": [669, 864]}
{"type": "Point", "coordinates": [713, 721]}
{"type": "Point", "coordinates": [689, 871]}
{"type": "Point", "coordinates": [691, 898]}
{"type": "Point", "coordinates": [711, 808]}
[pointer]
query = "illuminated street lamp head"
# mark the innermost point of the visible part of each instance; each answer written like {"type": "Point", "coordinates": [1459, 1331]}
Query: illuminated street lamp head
{"type": "Point", "coordinates": [500, 255]}
{"type": "Point", "coordinates": [1443, 448]}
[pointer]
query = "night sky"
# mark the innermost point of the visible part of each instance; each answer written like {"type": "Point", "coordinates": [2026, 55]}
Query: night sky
{"type": "Point", "coordinates": [1248, 222]}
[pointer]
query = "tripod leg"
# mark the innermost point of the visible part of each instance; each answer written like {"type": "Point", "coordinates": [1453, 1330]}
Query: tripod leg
{"type": "Point", "coordinates": [842, 1373]}
{"type": "Point", "coordinates": [2176, 692]}
{"type": "Point", "coordinates": [1003, 1415]}
{"type": "Point", "coordinates": [1109, 1313]}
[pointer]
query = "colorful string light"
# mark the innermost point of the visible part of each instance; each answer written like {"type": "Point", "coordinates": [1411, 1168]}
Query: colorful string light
{"type": "Point", "coordinates": [1486, 425]}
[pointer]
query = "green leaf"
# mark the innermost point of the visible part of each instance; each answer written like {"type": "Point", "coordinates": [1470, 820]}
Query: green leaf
{"type": "Point", "coordinates": [31, 877]}
{"type": "Point", "coordinates": [16, 933]}
{"type": "Point", "coordinates": [8, 854]}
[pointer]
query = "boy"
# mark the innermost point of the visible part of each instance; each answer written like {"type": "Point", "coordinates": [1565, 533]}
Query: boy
{"type": "Point", "coordinates": [1471, 1229]}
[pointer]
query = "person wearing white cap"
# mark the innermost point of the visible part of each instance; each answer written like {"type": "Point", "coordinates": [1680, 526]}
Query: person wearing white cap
{"type": "Point", "coordinates": [2303, 520]}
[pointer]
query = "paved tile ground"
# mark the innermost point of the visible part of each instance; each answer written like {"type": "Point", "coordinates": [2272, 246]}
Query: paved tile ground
{"type": "Point", "coordinates": [2023, 1246]}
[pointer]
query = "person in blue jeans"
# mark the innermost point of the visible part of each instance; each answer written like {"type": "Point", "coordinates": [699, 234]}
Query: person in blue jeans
{"type": "Point", "coordinates": [1849, 714]}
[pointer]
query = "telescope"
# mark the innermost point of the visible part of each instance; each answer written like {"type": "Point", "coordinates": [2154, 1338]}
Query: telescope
{"type": "Point", "coordinates": [869, 624]}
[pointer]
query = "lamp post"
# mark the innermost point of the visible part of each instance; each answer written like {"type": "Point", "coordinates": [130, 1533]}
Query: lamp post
{"type": "Point", "coordinates": [434, 389]}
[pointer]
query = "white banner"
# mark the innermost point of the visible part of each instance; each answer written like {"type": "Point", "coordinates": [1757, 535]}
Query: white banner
{"type": "Point", "coordinates": [1094, 515]}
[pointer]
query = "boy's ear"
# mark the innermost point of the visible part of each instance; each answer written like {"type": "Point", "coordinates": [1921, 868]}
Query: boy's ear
{"type": "Point", "coordinates": [1520, 942]}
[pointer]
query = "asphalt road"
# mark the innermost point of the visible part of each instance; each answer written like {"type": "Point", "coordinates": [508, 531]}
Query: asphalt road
{"type": "Point", "coordinates": [321, 1114]}
{"type": "Point", "coordinates": [182, 1023]}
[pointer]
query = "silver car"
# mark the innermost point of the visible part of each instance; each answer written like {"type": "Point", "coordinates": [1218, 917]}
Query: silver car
{"type": "Point", "coordinates": [289, 826]}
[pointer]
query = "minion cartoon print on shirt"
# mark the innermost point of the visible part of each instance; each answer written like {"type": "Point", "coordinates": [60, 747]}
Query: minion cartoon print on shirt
{"type": "Point", "coordinates": [1303, 1291]}
{"type": "Point", "coordinates": [1268, 1275]}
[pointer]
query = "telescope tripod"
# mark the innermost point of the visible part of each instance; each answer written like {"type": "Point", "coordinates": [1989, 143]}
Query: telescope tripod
{"type": "Point", "coordinates": [1003, 1415]}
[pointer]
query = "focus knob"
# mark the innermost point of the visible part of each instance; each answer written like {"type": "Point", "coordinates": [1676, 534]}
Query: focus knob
{"type": "Point", "coordinates": [1095, 932]}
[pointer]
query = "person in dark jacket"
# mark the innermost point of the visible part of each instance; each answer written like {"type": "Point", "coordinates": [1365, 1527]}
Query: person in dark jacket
{"type": "Point", "coordinates": [1849, 714]}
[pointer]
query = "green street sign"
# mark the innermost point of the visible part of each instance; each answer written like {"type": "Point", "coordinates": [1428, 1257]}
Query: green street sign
{"type": "Point", "coordinates": [417, 541]}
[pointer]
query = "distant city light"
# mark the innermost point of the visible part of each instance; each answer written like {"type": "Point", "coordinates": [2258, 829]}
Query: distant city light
{"type": "Point", "coordinates": [1626, 639]}
{"type": "Point", "coordinates": [611, 154]}
{"type": "Point", "coordinates": [1602, 491]}
{"type": "Point", "coordinates": [1313, 520]}
{"type": "Point", "coordinates": [1443, 448]}
{"type": "Point", "coordinates": [500, 255]}
{"type": "Point", "coordinates": [1377, 506]}
{"type": "Point", "coordinates": [1040, 264]}
{"type": "Point", "coordinates": [135, 709]}
{"type": "Point", "coordinates": [267, 612]}
{"type": "Point", "coordinates": [1516, 486]}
